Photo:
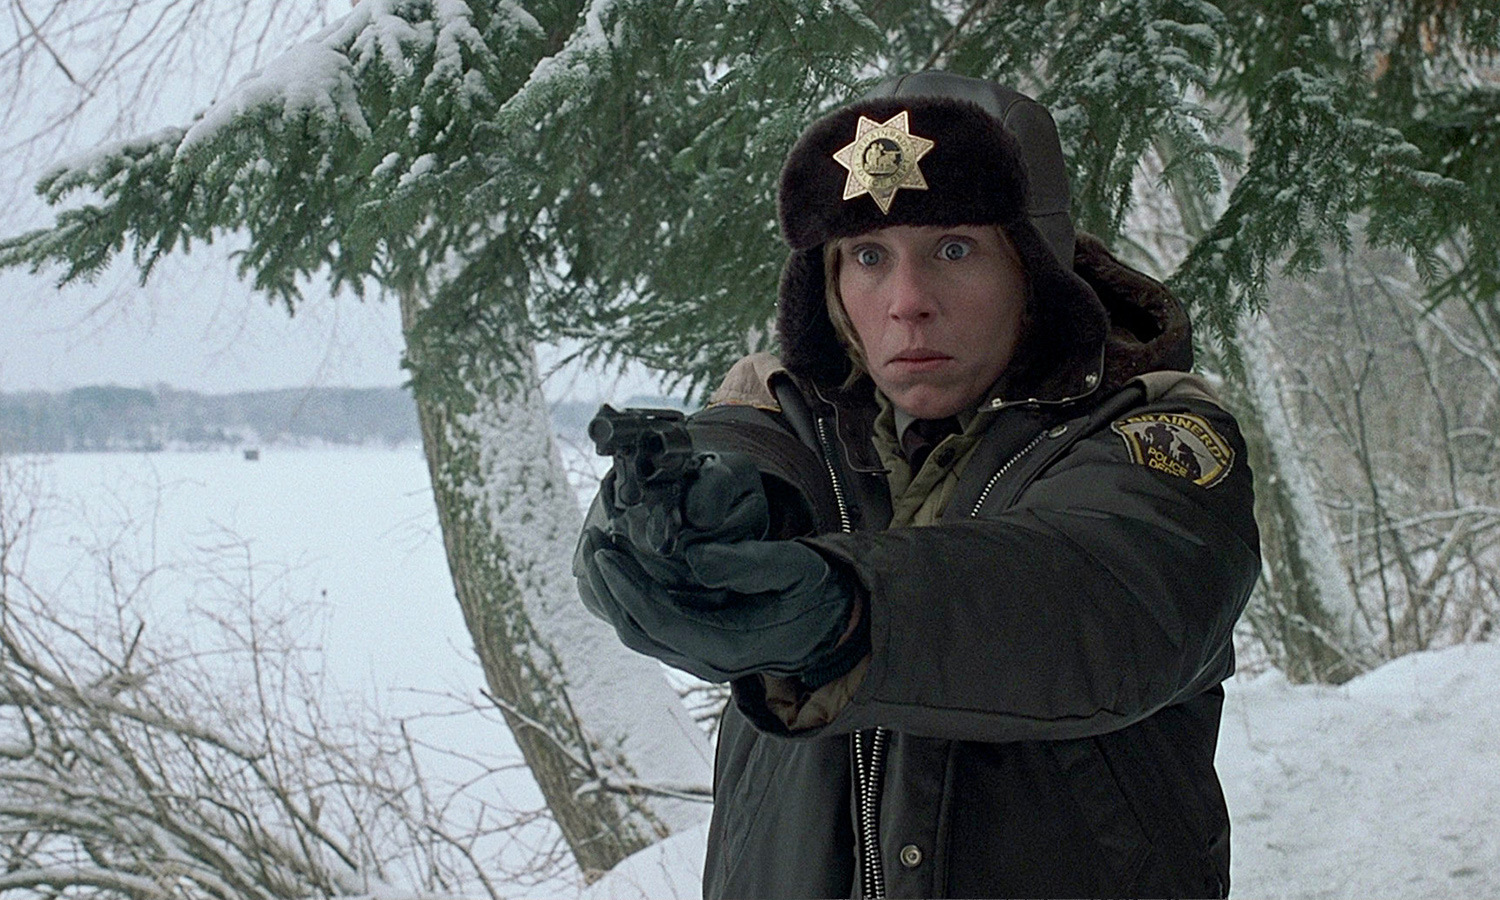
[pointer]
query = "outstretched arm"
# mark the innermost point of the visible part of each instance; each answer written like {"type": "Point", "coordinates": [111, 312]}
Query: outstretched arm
{"type": "Point", "coordinates": [1109, 590]}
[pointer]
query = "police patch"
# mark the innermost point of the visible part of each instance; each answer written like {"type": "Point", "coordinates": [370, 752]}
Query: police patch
{"type": "Point", "coordinates": [1179, 444]}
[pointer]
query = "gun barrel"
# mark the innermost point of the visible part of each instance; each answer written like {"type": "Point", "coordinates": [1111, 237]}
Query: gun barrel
{"type": "Point", "coordinates": [602, 429]}
{"type": "Point", "coordinates": [615, 431]}
{"type": "Point", "coordinates": [653, 460]}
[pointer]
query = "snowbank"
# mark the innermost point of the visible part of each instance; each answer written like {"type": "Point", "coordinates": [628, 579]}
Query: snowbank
{"type": "Point", "coordinates": [670, 870]}
{"type": "Point", "coordinates": [1388, 786]}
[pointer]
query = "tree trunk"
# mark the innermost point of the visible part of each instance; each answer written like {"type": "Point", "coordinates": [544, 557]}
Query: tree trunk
{"type": "Point", "coordinates": [1303, 611]}
{"type": "Point", "coordinates": [610, 744]}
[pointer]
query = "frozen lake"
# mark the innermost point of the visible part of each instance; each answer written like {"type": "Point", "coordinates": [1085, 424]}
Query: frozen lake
{"type": "Point", "coordinates": [352, 532]}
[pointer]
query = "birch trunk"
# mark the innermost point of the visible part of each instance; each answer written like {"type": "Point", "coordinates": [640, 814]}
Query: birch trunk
{"type": "Point", "coordinates": [1304, 611]}
{"type": "Point", "coordinates": [614, 751]}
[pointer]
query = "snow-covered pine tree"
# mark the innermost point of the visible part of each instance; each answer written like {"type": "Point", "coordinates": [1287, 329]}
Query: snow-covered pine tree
{"type": "Point", "coordinates": [1339, 119]}
{"type": "Point", "coordinates": [429, 148]}
{"type": "Point", "coordinates": [604, 172]}
{"type": "Point", "coordinates": [1276, 128]}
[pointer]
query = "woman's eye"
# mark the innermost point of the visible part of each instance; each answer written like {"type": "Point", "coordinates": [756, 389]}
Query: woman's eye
{"type": "Point", "coordinates": [952, 250]}
{"type": "Point", "coordinates": [867, 256]}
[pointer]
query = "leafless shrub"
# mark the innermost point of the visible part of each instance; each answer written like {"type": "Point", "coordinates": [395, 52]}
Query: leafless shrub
{"type": "Point", "coordinates": [1399, 406]}
{"type": "Point", "coordinates": [151, 754]}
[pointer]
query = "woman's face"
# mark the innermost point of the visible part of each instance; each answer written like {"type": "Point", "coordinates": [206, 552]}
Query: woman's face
{"type": "Point", "coordinates": [937, 310]}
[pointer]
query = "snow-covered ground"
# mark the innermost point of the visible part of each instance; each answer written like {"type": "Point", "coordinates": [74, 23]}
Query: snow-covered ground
{"type": "Point", "coordinates": [1388, 786]}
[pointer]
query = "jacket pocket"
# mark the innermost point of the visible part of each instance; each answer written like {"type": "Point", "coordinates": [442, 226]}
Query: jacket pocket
{"type": "Point", "coordinates": [1107, 810]}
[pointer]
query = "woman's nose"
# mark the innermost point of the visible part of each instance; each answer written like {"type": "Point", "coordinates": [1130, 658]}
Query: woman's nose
{"type": "Point", "coordinates": [911, 296]}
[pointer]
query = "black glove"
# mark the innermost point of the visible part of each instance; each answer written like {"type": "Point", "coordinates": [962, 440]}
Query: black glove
{"type": "Point", "coordinates": [724, 610]}
{"type": "Point", "coordinates": [725, 501]}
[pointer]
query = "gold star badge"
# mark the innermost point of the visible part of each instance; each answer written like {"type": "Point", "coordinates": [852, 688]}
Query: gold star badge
{"type": "Point", "coordinates": [882, 159]}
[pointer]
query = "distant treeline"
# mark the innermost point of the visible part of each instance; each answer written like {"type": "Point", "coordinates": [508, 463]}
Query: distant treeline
{"type": "Point", "coordinates": [117, 418]}
{"type": "Point", "coordinates": [100, 418]}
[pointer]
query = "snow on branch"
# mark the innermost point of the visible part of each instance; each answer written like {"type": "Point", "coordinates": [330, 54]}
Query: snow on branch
{"type": "Point", "coordinates": [554, 78]}
{"type": "Point", "coordinates": [64, 877]}
{"type": "Point", "coordinates": [308, 81]}
{"type": "Point", "coordinates": [108, 161]}
{"type": "Point", "coordinates": [318, 80]}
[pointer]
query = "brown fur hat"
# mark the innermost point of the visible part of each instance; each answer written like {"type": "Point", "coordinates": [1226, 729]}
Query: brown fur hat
{"type": "Point", "coordinates": [973, 172]}
{"type": "Point", "coordinates": [976, 173]}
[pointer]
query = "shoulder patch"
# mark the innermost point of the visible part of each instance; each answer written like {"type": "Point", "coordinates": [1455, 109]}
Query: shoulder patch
{"type": "Point", "coordinates": [748, 383]}
{"type": "Point", "coordinates": [1180, 444]}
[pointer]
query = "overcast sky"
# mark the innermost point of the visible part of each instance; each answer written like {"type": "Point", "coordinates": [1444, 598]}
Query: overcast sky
{"type": "Point", "coordinates": [194, 326]}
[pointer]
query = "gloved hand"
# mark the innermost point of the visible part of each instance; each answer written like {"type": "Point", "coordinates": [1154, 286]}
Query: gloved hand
{"type": "Point", "coordinates": [724, 610]}
{"type": "Point", "coordinates": [725, 501]}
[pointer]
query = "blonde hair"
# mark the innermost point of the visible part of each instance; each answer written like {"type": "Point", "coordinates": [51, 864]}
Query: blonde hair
{"type": "Point", "coordinates": [842, 326]}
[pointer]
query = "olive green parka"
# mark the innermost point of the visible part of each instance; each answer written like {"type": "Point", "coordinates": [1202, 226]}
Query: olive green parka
{"type": "Point", "coordinates": [1040, 707]}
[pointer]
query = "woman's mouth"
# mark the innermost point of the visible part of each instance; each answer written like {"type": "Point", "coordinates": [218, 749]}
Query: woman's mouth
{"type": "Point", "coordinates": [919, 360]}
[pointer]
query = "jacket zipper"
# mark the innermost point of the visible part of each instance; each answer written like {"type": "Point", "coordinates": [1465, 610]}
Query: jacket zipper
{"type": "Point", "coordinates": [845, 524]}
{"type": "Point", "coordinates": [868, 775]}
{"type": "Point", "coordinates": [1000, 473]}
{"type": "Point", "coordinates": [868, 778]}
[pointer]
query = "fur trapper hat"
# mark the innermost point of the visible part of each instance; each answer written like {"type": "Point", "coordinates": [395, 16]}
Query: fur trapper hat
{"type": "Point", "coordinates": [939, 149]}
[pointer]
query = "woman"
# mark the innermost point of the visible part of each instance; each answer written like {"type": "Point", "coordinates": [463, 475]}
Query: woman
{"type": "Point", "coordinates": [973, 547]}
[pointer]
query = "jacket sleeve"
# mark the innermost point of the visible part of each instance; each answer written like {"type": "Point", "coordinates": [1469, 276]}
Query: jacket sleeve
{"type": "Point", "coordinates": [1107, 591]}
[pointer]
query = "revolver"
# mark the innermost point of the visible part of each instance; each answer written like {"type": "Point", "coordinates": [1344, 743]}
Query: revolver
{"type": "Point", "coordinates": [654, 462]}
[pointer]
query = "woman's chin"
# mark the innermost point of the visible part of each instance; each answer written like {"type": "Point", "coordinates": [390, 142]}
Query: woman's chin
{"type": "Point", "coordinates": [924, 401]}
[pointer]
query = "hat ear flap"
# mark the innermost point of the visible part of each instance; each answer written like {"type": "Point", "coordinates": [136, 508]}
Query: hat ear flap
{"type": "Point", "coordinates": [1066, 324]}
{"type": "Point", "coordinates": [809, 344]}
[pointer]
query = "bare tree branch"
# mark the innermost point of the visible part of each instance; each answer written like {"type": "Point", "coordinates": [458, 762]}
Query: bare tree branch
{"type": "Point", "coordinates": [133, 765]}
{"type": "Point", "coordinates": [42, 41]}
